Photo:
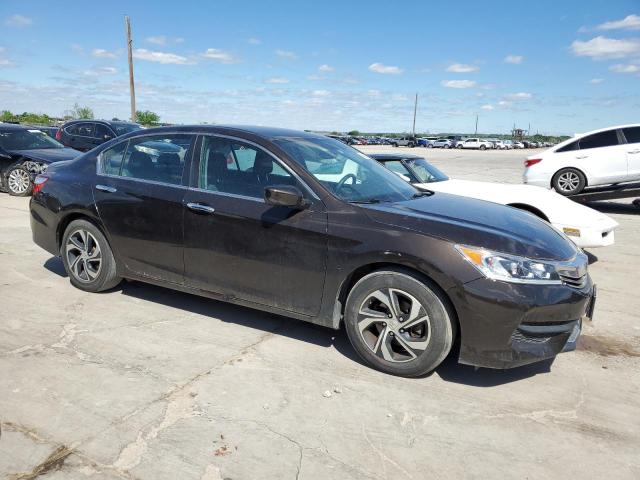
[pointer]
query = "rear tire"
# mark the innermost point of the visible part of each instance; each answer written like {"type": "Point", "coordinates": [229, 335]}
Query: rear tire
{"type": "Point", "coordinates": [568, 181]}
{"type": "Point", "coordinates": [483, 147]}
{"type": "Point", "coordinates": [399, 323]}
{"type": "Point", "coordinates": [87, 257]}
{"type": "Point", "coordinates": [18, 181]}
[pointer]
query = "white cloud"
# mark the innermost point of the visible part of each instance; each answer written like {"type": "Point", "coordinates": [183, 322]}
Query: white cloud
{"type": "Point", "coordinates": [459, 83]}
{"type": "Point", "coordinates": [374, 93]}
{"type": "Point", "coordinates": [630, 22]}
{"type": "Point", "coordinates": [504, 103]}
{"type": "Point", "coordinates": [385, 69]}
{"type": "Point", "coordinates": [97, 72]}
{"type": "Point", "coordinates": [4, 62]}
{"type": "Point", "coordinates": [514, 59]}
{"type": "Point", "coordinates": [277, 80]}
{"type": "Point", "coordinates": [595, 81]}
{"type": "Point", "coordinates": [158, 40]}
{"type": "Point", "coordinates": [286, 54]}
{"type": "Point", "coordinates": [320, 93]}
{"type": "Point", "coordinates": [620, 68]}
{"type": "Point", "coordinates": [160, 57]}
{"type": "Point", "coordinates": [519, 96]}
{"type": "Point", "coordinates": [18, 21]}
{"type": "Point", "coordinates": [102, 53]}
{"type": "Point", "coordinates": [602, 48]}
{"type": "Point", "coordinates": [325, 68]}
{"type": "Point", "coordinates": [487, 107]}
{"type": "Point", "coordinates": [462, 68]}
{"type": "Point", "coordinates": [254, 41]}
{"type": "Point", "coordinates": [219, 55]}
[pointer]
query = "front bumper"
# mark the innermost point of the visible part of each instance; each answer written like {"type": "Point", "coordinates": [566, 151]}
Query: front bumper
{"type": "Point", "coordinates": [601, 234]}
{"type": "Point", "coordinates": [505, 325]}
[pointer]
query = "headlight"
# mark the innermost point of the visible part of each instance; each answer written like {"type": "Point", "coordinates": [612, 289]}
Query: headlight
{"type": "Point", "coordinates": [510, 268]}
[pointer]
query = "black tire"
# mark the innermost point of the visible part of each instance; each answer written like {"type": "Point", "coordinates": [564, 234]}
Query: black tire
{"type": "Point", "coordinates": [105, 276]}
{"type": "Point", "coordinates": [459, 146]}
{"type": "Point", "coordinates": [430, 145]}
{"type": "Point", "coordinates": [438, 330]}
{"type": "Point", "coordinates": [483, 147]}
{"type": "Point", "coordinates": [569, 181]}
{"type": "Point", "coordinates": [395, 145]}
{"type": "Point", "coordinates": [411, 145]}
{"type": "Point", "coordinates": [15, 179]}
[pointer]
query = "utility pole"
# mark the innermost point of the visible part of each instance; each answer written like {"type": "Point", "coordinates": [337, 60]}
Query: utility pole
{"type": "Point", "coordinates": [476, 125]}
{"type": "Point", "coordinates": [415, 110]}
{"type": "Point", "coordinates": [132, 88]}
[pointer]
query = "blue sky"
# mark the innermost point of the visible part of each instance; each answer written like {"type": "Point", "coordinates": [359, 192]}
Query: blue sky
{"type": "Point", "coordinates": [563, 67]}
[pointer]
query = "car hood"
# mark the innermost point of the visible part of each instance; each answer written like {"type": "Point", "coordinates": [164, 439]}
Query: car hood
{"type": "Point", "coordinates": [558, 209]}
{"type": "Point", "coordinates": [48, 155]}
{"type": "Point", "coordinates": [478, 223]}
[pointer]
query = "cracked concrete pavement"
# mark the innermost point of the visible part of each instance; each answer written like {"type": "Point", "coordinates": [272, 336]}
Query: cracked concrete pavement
{"type": "Point", "coordinates": [146, 383]}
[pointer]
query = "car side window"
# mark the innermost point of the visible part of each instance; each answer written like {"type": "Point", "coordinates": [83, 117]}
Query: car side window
{"type": "Point", "coordinates": [632, 134]}
{"type": "Point", "coordinates": [85, 129]}
{"type": "Point", "coordinates": [238, 168]}
{"type": "Point", "coordinates": [601, 139]}
{"type": "Point", "coordinates": [111, 159]}
{"type": "Point", "coordinates": [101, 132]}
{"type": "Point", "coordinates": [399, 169]}
{"type": "Point", "coordinates": [569, 147]}
{"type": "Point", "coordinates": [157, 158]}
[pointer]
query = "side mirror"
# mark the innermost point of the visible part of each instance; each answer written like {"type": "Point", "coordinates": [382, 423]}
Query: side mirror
{"type": "Point", "coordinates": [285, 196]}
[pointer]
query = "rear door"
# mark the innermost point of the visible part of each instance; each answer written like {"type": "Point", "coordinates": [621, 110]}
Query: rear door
{"type": "Point", "coordinates": [139, 191]}
{"type": "Point", "coordinates": [603, 157]}
{"type": "Point", "coordinates": [83, 138]}
{"type": "Point", "coordinates": [632, 138]}
{"type": "Point", "coordinates": [237, 245]}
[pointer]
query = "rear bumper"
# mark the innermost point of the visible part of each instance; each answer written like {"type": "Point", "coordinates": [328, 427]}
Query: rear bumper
{"type": "Point", "coordinates": [505, 325]}
{"type": "Point", "coordinates": [530, 177]}
{"type": "Point", "coordinates": [43, 225]}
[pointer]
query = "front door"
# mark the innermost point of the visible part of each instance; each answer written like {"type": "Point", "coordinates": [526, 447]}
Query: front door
{"type": "Point", "coordinates": [237, 245]}
{"type": "Point", "coordinates": [632, 136]}
{"type": "Point", "coordinates": [603, 157]}
{"type": "Point", "coordinates": [139, 191]}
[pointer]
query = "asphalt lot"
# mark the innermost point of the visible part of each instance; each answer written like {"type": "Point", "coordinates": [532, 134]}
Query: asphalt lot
{"type": "Point", "coordinates": [146, 383]}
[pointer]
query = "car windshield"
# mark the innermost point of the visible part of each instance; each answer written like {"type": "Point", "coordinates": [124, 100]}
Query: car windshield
{"type": "Point", "coordinates": [122, 128]}
{"type": "Point", "coordinates": [347, 173]}
{"type": "Point", "coordinates": [417, 168]}
{"type": "Point", "coordinates": [26, 140]}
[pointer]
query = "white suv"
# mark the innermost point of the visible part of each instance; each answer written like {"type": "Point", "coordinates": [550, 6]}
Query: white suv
{"type": "Point", "coordinates": [476, 143]}
{"type": "Point", "coordinates": [602, 157]}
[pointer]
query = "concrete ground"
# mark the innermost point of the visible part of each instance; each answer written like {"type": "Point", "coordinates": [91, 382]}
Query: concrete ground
{"type": "Point", "coordinates": [147, 383]}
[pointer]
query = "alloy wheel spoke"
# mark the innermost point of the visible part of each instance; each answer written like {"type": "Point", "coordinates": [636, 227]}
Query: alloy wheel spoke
{"type": "Point", "coordinates": [411, 345]}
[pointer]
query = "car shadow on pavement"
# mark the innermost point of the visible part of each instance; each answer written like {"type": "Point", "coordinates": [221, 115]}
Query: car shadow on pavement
{"type": "Point", "coordinates": [615, 207]}
{"type": "Point", "coordinates": [449, 371]}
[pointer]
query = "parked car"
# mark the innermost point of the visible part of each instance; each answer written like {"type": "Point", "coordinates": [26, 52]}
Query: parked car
{"type": "Point", "coordinates": [508, 144]}
{"type": "Point", "coordinates": [304, 226]}
{"type": "Point", "coordinates": [602, 157]}
{"type": "Point", "coordinates": [427, 142]}
{"type": "Point", "coordinates": [476, 143]}
{"type": "Point", "coordinates": [84, 135]}
{"type": "Point", "coordinates": [498, 144]}
{"type": "Point", "coordinates": [518, 145]}
{"type": "Point", "coordinates": [50, 131]}
{"type": "Point", "coordinates": [25, 152]}
{"type": "Point", "coordinates": [585, 226]}
{"type": "Point", "coordinates": [404, 142]}
{"type": "Point", "coordinates": [442, 143]}
{"type": "Point", "coordinates": [456, 140]}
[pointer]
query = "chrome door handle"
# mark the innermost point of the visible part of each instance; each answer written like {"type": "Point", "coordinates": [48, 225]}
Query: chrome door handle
{"type": "Point", "coordinates": [582, 156]}
{"type": "Point", "coordinates": [106, 188]}
{"type": "Point", "coordinates": [200, 208]}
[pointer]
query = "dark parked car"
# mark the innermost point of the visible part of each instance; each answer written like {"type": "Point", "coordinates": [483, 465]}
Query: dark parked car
{"type": "Point", "coordinates": [50, 131]}
{"type": "Point", "coordinates": [304, 226]}
{"type": "Point", "coordinates": [25, 152]}
{"type": "Point", "coordinates": [84, 135]}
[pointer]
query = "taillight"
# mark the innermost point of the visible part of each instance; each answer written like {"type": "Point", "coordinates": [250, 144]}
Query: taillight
{"type": "Point", "coordinates": [39, 182]}
{"type": "Point", "coordinates": [533, 161]}
{"type": "Point", "coordinates": [59, 134]}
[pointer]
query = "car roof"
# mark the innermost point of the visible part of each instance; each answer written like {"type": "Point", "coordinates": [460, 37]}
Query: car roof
{"type": "Point", "coordinates": [579, 136]}
{"type": "Point", "coordinates": [93, 120]}
{"type": "Point", "coordinates": [267, 133]}
{"type": "Point", "coordinates": [14, 126]}
{"type": "Point", "coordinates": [384, 157]}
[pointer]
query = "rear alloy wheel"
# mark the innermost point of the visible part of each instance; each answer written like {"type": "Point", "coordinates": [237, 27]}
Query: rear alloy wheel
{"type": "Point", "coordinates": [483, 147]}
{"type": "Point", "coordinates": [569, 181]}
{"type": "Point", "coordinates": [87, 257]}
{"type": "Point", "coordinates": [398, 323]}
{"type": "Point", "coordinates": [18, 180]}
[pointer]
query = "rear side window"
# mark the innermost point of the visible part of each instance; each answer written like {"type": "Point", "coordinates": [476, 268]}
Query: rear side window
{"type": "Point", "coordinates": [82, 129]}
{"type": "Point", "coordinates": [102, 132]}
{"type": "Point", "coordinates": [598, 140]}
{"type": "Point", "coordinates": [569, 147]}
{"type": "Point", "coordinates": [632, 134]}
{"type": "Point", "coordinates": [112, 159]}
{"type": "Point", "coordinates": [158, 158]}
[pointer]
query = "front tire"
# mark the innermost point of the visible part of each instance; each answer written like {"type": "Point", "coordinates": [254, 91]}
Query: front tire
{"type": "Point", "coordinates": [18, 181]}
{"type": "Point", "coordinates": [87, 257]}
{"type": "Point", "coordinates": [399, 323]}
{"type": "Point", "coordinates": [483, 147]}
{"type": "Point", "coordinates": [569, 181]}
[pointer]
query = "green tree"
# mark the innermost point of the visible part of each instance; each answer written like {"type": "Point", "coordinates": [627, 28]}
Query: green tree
{"type": "Point", "coordinates": [7, 116]}
{"type": "Point", "coordinates": [354, 133]}
{"type": "Point", "coordinates": [81, 112]}
{"type": "Point", "coordinates": [147, 118]}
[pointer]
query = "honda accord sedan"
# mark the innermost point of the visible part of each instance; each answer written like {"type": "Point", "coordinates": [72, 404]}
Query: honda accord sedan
{"type": "Point", "coordinates": [305, 226]}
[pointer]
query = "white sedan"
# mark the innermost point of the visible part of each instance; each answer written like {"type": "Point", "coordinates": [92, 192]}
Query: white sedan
{"type": "Point", "coordinates": [585, 226]}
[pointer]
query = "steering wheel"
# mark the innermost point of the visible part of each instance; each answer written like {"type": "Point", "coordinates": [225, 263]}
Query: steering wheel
{"type": "Point", "coordinates": [344, 179]}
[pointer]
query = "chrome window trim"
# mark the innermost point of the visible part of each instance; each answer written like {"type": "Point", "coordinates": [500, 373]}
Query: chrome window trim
{"type": "Point", "coordinates": [226, 194]}
{"type": "Point", "coordinates": [142, 180]}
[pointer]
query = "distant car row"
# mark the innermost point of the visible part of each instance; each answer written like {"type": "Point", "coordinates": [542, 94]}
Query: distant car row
{"type": "Point", "coordinates": [451, 141]}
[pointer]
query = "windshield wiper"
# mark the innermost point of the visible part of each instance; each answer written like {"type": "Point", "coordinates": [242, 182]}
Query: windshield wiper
{"type": "Point", "coordinates": [367, 201]}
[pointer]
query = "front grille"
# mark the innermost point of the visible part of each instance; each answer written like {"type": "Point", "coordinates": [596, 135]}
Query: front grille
{"type": "Point", "coordinates": [573, 281]}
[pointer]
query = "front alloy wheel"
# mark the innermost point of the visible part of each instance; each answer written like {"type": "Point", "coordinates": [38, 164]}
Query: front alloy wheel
{"type": "Point", "coordinates": [19, 181]}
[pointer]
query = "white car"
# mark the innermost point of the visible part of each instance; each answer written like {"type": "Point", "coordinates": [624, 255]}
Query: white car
{"type": "Point", "coordinates": [602, 157]}
{"type": "Point", "coordinates": [476, 143]}
{"type": "Point", "coordinates": [585, 226]}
